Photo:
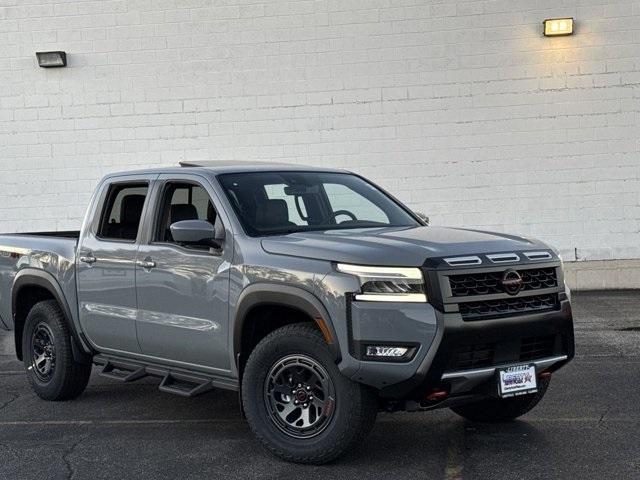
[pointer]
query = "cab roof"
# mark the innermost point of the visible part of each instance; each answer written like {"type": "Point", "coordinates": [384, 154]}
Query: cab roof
{"type": "Point", "coordinates": [231, 166]}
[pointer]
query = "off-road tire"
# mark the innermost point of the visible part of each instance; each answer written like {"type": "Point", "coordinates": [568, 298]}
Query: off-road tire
{"type": "Point", "coordinates": [68, 378]}
{"type": "Point", "coordinates": [355, 404]}
{"type": "Point", "coordinates": [496, 410]}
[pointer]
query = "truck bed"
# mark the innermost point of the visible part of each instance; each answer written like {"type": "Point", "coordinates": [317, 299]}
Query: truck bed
{"type": "Point", "coordinates": [50, 252]}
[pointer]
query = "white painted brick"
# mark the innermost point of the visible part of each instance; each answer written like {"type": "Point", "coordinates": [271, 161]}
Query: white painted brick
{"type": "Point", "coordinates": [455, 106]}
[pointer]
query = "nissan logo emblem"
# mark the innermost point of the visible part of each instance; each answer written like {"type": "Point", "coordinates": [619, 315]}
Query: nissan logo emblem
{"type": "Point", "coordinates": [512, 282]}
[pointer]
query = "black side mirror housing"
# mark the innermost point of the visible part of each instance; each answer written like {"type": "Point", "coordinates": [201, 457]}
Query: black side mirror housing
{"type": "Point", "coordinates": [198, 232]}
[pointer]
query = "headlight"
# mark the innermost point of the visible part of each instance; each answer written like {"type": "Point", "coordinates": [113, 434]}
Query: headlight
{"type": "Point", "coordinates": [387, 284]}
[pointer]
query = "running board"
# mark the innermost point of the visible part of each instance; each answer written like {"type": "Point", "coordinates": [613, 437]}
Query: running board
{"type": "Point", "coordinates": [177, 381]}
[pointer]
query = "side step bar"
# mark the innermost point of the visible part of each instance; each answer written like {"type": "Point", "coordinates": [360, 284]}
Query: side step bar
{"type": "Point", "coordinates": [176, 381]}
{"type": "Point", "coordinates": [184, 387]}
{"type": "Point", "coordinates": [122, 373]}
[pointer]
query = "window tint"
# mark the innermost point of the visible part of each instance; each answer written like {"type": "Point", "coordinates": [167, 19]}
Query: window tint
{"type": "Point", "coordinates": [343, 198]}
{"type": "Point", "coordinates": [122, 211]}
{"type": "Point", "coordinates": [270, 203]}
{"type": "Point", "coordinates": [297, 214]}
{"type": "Point", "coordinates": [183, 201]}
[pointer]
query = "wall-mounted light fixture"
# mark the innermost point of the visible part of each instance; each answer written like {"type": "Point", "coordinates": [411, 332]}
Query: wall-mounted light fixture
{"type": "Point", "coordinates": [555, 27]}
{"type": "Point", "coordinates": [52, 59]}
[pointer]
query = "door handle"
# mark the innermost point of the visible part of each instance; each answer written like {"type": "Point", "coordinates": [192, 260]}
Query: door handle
{"type": "Point", "coordinates": [148, 264]}
{"type": "Point", "coordinates": [89, 259]}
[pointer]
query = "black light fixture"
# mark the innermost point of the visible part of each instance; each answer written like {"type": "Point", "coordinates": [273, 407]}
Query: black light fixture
{"type": "Point", "coordinates": [52, 59]}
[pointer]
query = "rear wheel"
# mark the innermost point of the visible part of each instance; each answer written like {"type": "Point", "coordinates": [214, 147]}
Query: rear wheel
{"type": "Point", "coordinates": [48, 355]}
{"type": "Point", "coordinates": [297, 402]}
{"type": "Point", "coordinates": [496, 410]}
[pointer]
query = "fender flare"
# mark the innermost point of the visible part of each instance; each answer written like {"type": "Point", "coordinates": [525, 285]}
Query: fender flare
{"type": "Point", "coordinates": [33, 277]}
{"type": "Point", "coordinates": [273, 294]}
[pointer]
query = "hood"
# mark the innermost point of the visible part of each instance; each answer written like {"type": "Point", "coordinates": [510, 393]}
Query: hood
{"type": "Point", "coordinates": [403, 246]}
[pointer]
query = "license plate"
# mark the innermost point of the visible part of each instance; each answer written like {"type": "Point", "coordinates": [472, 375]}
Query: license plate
{"type": "Point", "coordinates": [517, 380]}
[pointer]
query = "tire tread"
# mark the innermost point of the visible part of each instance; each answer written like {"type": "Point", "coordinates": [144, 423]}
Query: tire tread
{"type": "Point", "coordinates": [361, 400]}
{"type": "Point", "coordinates": [75, 375]}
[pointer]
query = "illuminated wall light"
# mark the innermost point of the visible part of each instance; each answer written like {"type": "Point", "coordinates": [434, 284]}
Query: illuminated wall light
{"type": "Point", "coordinates": [555, 27]}
{"type": "Point", "coordinates": [52, 59]}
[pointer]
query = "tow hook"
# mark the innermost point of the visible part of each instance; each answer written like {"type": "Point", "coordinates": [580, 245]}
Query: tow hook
{"type": "Point", "coordinates": [432, 397]}
{"type": "Point", "coordinates": [436, 395]}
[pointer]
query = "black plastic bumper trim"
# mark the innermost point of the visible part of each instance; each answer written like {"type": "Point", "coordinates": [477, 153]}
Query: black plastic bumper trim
{"type": "Point", "coordinates": [454, 330]}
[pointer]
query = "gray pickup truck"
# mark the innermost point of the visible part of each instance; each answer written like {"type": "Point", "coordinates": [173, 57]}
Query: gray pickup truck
{"type": "Point", "coordinates": [312, 292]}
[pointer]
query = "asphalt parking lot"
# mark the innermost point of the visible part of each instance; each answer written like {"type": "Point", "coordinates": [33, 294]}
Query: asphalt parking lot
{"type": "Point", "coordinates": [586, 427]}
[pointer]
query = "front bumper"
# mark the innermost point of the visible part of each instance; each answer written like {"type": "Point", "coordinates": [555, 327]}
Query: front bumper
{"type": "Point", "coordinates": [452, 353]}
{"type": "Point", "coordinates": [464, 381]}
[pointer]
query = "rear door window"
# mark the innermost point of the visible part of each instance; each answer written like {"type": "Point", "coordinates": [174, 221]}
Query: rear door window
{"type": "Point", "coordinates": [122, 211]}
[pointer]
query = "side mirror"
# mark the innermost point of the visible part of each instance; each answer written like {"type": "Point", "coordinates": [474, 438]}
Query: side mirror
{"type": "Point", "coordinates": [198, 232]}
{"type": "Point", "coordinates": [422, 217]}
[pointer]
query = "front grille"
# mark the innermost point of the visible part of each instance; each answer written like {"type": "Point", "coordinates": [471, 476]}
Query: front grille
{"type": "Point", "coordinates": [488, 283]}
{"type": "Point", "coordinates": [507, 306]}
{"type": "Point", "coordinates": [533, 348]}
{"type": "Point", "coordinates": [477, 355]}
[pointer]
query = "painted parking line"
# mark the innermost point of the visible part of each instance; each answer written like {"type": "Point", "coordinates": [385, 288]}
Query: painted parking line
{"type": "Point", "coordinates": [240, 421]}
{"type": "Point", "coordinates": [596, 419]}
{"type": "Point", "coordinates": [114, 422]}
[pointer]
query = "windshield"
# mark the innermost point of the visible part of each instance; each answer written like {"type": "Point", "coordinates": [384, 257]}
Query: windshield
{"type": "Point", "coordinates": [270, 203]}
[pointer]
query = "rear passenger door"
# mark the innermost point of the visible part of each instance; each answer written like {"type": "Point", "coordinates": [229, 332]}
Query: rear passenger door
{"type": "Point", "coordinates": [105, 265]}
{"type": "Point", "coordinates": [183, 290]}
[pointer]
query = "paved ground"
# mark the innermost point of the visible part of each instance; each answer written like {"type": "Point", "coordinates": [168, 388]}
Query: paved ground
{"type": "Point", "coordinates": [586, 427]}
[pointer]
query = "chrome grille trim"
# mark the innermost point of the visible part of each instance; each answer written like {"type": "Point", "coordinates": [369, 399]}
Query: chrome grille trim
{"type": "Point", "coordinates": [504, 257]}
{"type": "Point", "coordinates": [463, 261]}
{"type": "Point", "coordinates": [537, 255]}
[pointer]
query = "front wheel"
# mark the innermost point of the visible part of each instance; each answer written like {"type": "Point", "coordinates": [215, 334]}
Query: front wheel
{"type": "Point", "coordinates": [48, 355]}
{"type": "Point", "coordinates": [298, 404]}
{"type": "Point", "coordinates": [497, 410]}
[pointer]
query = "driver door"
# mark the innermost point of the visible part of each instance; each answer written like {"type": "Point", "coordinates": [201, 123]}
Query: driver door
{"type": "Point", "coordinates": [183, 291]}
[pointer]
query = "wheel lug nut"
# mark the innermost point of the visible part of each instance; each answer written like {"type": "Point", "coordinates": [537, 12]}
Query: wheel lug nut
{"type": "Point", "coordinates": [299, 385]}
{"type": "Point", "coordinates": [310, 397]}
{"type": "Point", "coordinates": [305, 405]}
{"type": "Point", "coordinates": [308, 388]}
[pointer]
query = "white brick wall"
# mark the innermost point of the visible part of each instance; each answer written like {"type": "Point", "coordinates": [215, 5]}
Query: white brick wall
{"type": "Point", "coordinates": [461, 108]}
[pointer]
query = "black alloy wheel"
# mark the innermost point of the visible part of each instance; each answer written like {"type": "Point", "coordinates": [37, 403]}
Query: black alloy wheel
{"type": "Point", "coordinates": [43, 352]}
{"type": "Point", "coordinates": [300, 396]}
